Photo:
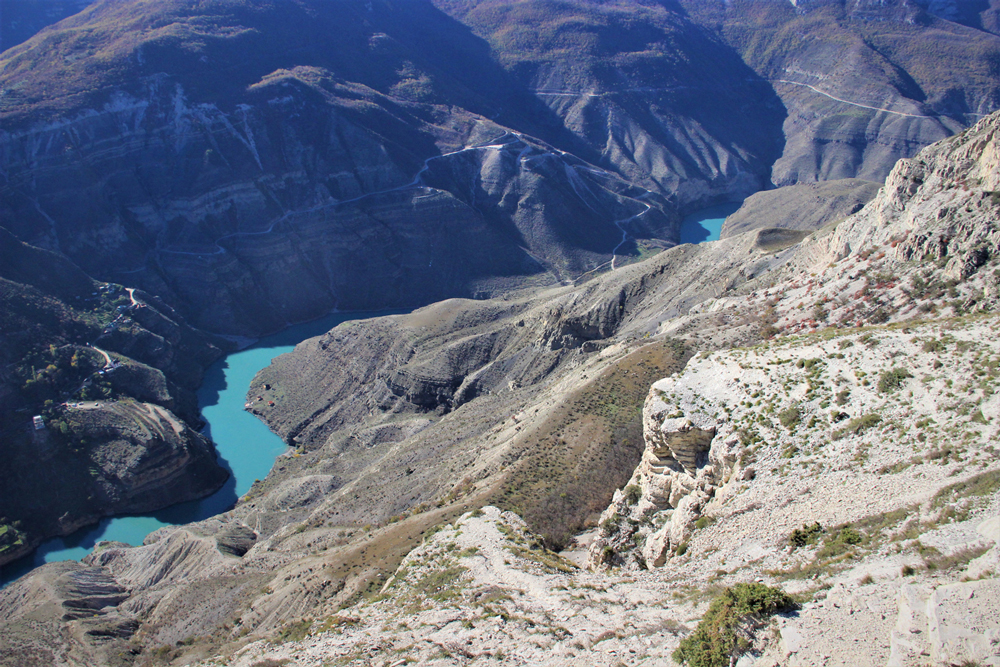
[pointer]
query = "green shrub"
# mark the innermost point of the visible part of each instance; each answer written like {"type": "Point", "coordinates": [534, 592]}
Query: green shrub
{"type": "Point", "coordinates": [849, 535]}
{"type": "Point", "coordinates": [716, 641]}
{"type": "Point", "coordinates": [840, 542]}
{"type": "Point", "coordinates": [892, 379]}
{"type": "Point", "coordinates": [790, 416]}
{"type": "Point", "coordinates": [805, 535]}
{"type": "Point", "coordinates": [632, 494]}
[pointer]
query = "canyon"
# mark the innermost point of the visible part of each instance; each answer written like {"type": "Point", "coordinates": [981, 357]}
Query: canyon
{"type": "Point", "coordinates": [583, 428]}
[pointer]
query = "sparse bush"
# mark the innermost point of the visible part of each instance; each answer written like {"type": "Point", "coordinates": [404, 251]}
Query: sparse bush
{"type": "Point", "coordinates": [933, 345]}
{"type": "Point", "coordinates": [879, 316]}
{"type": "Point", "coordinates": [704, 522]}
{"type": "Point", "coordinates": [295, 631]}
{"type": "Point", "coordinates": [857, 425]}
{"type": "Point", "coordinates": [840, 542]}
{"type": "Point", "coordinates": [790, 416]}
{"type": "Point", "coordinates": [723, 633]}
{"type": "Point", "coordinates": [892, 379]}
{"type": "Point", "coordinates": [805, 535]}
{"type": "Point", "coordinates": [610, 526]}
{"type": "Point", "coordinates": [632, 494]}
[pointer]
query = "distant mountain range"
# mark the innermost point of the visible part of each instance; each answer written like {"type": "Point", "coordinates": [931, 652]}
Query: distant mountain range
{"type": "Point", "coordinates": [260, 163]}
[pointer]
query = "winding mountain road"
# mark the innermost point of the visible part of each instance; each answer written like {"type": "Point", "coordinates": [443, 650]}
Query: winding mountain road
{"type": "Point", "coordinates": [853, 104]}
{"type": "Point", "coordinates": [505, 141]}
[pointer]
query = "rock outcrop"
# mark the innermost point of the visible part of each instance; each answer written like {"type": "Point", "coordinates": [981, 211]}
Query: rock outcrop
{"type": "Point", "coordinates": [681, 468]}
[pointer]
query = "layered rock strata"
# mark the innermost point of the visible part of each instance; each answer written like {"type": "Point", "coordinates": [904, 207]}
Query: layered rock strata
{"type": "Point", "coordinates": [683, 464]}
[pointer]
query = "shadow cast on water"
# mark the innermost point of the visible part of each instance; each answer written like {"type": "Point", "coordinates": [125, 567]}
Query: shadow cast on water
{"type": "Point", "coordinates": [128, 528]}
{"type": "Point", "coordinates": [213, 384]}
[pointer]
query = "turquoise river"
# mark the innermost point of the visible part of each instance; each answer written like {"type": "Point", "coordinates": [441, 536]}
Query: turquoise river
{"type": "Point", "coordinates": [245, 445]}
{"type": "Point", "coordinates": [706, 224]}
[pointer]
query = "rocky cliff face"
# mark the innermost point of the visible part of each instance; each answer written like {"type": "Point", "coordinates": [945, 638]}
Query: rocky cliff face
{"type": "Point", "coordinates": [812, 460]}
{"type": "Point", "coordinates": [679, 473]}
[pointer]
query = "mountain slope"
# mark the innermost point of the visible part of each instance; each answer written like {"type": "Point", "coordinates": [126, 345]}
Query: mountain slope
{"type": "Point", "coordinates": [864, 83]}
{"type": "Point", "coordinates": [405, 422]}
{"type": "Point", "coordinates": [804, 207]}
{"type": "Point", "coordinates": [255, 184]}
{"type": "Point", "coordinates": [854, 480]}
{"type": "Point", "coordinates": [108, 371]}
{"type": "Point", "coordinates": [234, 160]}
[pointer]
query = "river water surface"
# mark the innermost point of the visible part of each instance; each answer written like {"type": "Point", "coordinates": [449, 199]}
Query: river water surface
{"type": "Point", "coordinates": [706, 224]}
{"type": "Point", "coordinates": [246, 447]}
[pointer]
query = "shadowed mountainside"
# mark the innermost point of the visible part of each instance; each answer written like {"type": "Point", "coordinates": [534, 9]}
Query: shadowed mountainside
{"type": "Point", "coordinates": [864, 83]}
{"type": "Point", "coordinates": [128, 364]}
{"type": "Point", "coordinates": [238, 162]}
{"type": "Point", "coordinates": [233, 159]}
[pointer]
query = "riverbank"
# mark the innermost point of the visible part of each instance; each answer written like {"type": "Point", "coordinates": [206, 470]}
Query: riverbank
{"type": "Point", "coordinates": [245, 447]}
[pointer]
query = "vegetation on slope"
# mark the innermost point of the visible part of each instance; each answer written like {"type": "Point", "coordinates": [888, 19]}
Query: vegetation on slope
{"type": "Point", "coordinates": [568, 467]}
{"type": "Point", "coordinates": [723, 632]}
{"type": "Point", "coordinates": [56, 327]}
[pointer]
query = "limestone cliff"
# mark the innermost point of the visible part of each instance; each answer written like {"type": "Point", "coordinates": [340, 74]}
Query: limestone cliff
{"type": "Point", "coordinates": [681, 468]}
